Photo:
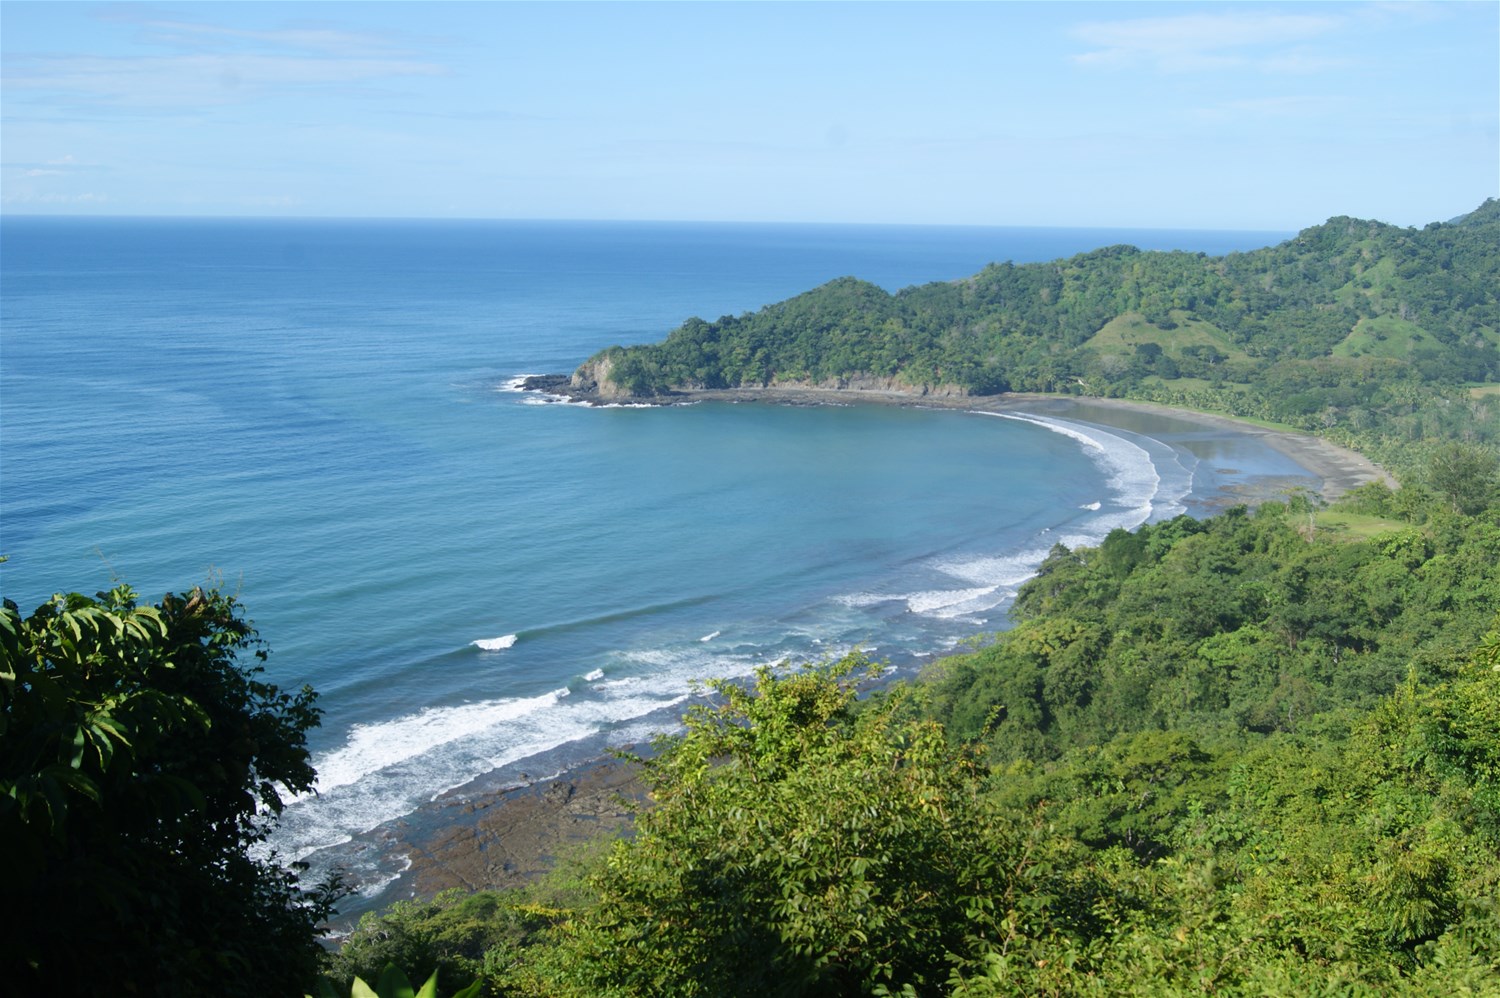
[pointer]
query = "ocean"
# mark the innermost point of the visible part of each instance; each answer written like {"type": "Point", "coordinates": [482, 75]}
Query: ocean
{"type": "Point", "coordinates": [486, 586]}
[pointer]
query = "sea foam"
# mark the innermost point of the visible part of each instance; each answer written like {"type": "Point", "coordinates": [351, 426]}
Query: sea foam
{"type": "Point", "coordinates": [515, 383]}
{"type": "Point", "coordinates": [495, 644]}
{"type": "Point", "coordinates": [1132, 474]}
{"type": "Point", "coordinates": [991, 581]}
{"type": "Point", "coordinates": [393, 767]}
{"type": "Point", "coordinates": [370, 748]}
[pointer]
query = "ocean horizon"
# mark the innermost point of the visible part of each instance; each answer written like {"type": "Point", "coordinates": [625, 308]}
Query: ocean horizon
{"type": "Point", "coordinates": [484, 586]}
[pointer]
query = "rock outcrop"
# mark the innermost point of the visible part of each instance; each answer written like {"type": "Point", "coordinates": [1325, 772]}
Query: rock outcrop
{"type": "Point", "coordinates": [875, 383]}
{"type": "Point", "coordinates": [592, 379]}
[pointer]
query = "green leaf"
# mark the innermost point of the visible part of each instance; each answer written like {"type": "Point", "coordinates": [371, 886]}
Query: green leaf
{"type": "Point", "coordinates": [429, 989]}
{"type": "Point", "coordinates": [393, 983]}
{"type": "Point", "coordinates": [362, 990]}
{"type": "Point", "coordinates": [108, 725]}
{"type": "Point", "coordinates": [80, 742]}
{"type": "Point", "coordinates": [80, 783]}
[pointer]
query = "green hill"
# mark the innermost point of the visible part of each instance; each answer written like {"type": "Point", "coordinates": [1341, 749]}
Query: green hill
{"type": "Point", "coordinates": [1356, 328]}
{"type": "Point", "coordinates": [1252, 755]}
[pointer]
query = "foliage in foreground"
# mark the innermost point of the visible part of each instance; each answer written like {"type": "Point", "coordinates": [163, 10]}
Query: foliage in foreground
{"type": "Point", "coordinates": [796, 846]}
{"type": "Point", "coordinates": [138, 761]}
{"type": "Point", "coordinates": [805, 848]}
{"type": "Point", "coordinates": [392, 983]}
{"type": "Point", "coordinates": [1232, 756]}
{"type": "Point", "coordinates": [1229, 757]}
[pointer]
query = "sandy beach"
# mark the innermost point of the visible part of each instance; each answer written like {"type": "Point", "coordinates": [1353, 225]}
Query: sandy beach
{"type": "Point", "coordinates": [1339, 468]}
{"type": "Point", "coordinates": [511, 838]}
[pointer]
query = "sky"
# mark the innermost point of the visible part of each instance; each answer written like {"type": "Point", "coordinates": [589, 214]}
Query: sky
{"type": "Point", "coordinates": [1228, 115]}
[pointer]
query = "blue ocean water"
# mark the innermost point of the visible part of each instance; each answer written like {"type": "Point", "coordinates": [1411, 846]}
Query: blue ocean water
{"type": "Point", "coordinates": [318, 413]}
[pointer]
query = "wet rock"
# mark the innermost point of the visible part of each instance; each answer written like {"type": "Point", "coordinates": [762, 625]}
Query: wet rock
{"type": "Point", "coordinates": [515, 837]}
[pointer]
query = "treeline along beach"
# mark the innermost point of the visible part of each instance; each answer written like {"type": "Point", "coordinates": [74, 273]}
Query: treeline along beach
{"type": "Point", "coordinates": [1249, 752]}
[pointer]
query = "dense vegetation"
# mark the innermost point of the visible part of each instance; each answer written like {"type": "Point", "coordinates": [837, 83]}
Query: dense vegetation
{"type": "Point", "coordinates": [1258, 754]}
{"type": "Point", "coordinates": [138, 759]}
{"type": "Point", "coordinates": [1249, 755]}
{"type": "Point", "coordinates": [1366, 331]}
{"type": "Point", "coordinates": [1253, 755]}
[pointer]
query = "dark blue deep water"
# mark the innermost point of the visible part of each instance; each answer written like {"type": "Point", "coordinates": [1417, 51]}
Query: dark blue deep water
{"type": "Point", "coordinates": [315, 413]}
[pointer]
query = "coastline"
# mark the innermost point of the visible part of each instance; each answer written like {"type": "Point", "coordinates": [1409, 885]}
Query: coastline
{"type": "Point", "coordinates": [1339, 468]}
{"type": "Point", "coordinates": [510, 838]}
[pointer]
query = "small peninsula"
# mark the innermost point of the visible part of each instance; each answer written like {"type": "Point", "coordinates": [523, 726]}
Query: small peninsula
{"type": "Point", "coordinates": [1372, 336]}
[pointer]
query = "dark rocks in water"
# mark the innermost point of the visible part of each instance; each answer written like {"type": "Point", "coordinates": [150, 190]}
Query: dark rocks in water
{"type": "Point", "coordinates": [552, 384]}
{"type": "Point", "coordinates": [510, 839]}
{"type": "Point", "coordinates": [584, 387]}
{"type": "Point", "coordinates": [560, 386]}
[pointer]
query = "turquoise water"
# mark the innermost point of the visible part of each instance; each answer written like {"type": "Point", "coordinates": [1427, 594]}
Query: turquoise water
{"type": "Point", "coordinates": [481, 584]}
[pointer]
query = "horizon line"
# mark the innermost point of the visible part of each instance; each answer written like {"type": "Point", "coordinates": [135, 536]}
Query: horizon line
{"type": "Point", "coordinates": [64, 216]}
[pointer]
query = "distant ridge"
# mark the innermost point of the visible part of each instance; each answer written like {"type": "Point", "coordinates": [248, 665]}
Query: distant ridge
{"type": "Point", "coordinates": [1345, 328]}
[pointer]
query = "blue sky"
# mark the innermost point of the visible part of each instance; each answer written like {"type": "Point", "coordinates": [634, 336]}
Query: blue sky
{"type": "Point", "coordinates": [1172, 115]}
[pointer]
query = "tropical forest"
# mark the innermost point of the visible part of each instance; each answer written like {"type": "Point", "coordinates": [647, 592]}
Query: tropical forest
{"type": "Point", "coordinates": [1252, 754]}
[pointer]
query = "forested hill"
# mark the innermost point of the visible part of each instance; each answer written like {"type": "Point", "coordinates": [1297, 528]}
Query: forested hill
{"type": "Point", "coordinates": [1353, 325]}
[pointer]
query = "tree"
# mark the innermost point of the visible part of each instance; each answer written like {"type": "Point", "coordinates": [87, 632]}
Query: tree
{"type": "Point", "coordinates": [138, 761]}
{"type": "Point", "coordinates": [797, 846]}
{"type": "Point", "coordinates": [1464, 475]}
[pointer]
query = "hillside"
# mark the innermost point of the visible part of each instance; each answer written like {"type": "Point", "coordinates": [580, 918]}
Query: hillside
{"type": "Point", "coordinates": [1243, 756]}
{"type": "Point", "coordinates": [1368, 332]}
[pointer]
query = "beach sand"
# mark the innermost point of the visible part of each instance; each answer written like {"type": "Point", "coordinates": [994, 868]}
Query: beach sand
{"type": "Point", "coordinates": [511, 838]}
{"type": "Point", "coordinates": [1339, 468]}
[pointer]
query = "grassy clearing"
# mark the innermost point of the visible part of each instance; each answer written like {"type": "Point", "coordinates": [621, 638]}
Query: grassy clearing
{"type": "Point", "coordinates": [1384, 336]}
{"type": "Point", "coordinates": [1356, 526]}
{"type": "Point", "coordinates": [1483, 391]}
{"type": "Point", "coordinates": [1124, 333]}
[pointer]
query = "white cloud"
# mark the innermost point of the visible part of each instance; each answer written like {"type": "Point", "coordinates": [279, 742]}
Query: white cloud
{"type": "Point", "coordinates": [212, 65]}
{"type": "Point", "coordinates": [305, 37]}
{"type": "Point", "coordinates": [61, 166]}
{"type": "Point", "coordinates": [1198, 42]}
{"type": "Point", "coordinates": [31, 197]}
{"type": "Point", "coordinates": [197, 80]}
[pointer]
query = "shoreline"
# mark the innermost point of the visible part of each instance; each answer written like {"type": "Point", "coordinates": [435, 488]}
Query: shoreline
{"type": "Point", "coordinates": [510, 838]}
{"type": "Point", "coordinates": [1339, 468]}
